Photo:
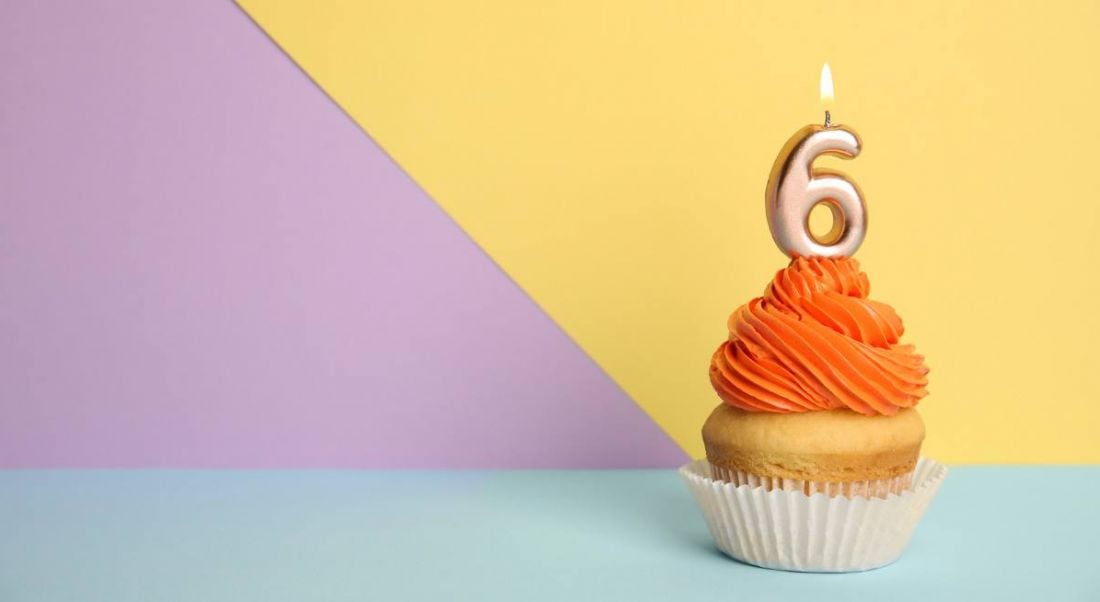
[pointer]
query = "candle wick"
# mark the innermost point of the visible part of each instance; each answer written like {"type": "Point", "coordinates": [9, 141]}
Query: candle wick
{"type": "Point", "coordinates": [828, 118]}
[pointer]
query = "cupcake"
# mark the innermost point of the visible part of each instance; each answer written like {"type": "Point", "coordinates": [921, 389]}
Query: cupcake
{"type": "Point", "coordinates": [813, 455]}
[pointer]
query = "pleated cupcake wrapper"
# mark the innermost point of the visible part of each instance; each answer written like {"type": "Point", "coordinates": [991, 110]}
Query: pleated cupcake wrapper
{"type": "Point", "coordinates": [793, 531]}
{"type": "Point", "coordinates": [878, 488]}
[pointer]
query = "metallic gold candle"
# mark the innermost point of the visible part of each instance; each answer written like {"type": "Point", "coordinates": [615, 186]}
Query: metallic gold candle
{"type": "Point", "coordinates": [795, 187]}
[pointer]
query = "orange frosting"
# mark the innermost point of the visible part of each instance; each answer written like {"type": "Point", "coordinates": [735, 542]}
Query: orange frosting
{"type": "Point", "coordinates": [814, 341]}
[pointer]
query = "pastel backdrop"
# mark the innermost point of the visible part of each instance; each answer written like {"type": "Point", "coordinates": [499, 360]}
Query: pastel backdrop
{"type": "Point", "coordinates": [508, 235]}
{"type": "Point", "coordinates": [611, 157]}
{"type": "Point", "coordinates": [205, 263]}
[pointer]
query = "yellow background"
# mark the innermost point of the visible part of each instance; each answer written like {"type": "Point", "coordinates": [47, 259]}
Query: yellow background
{"type": "Point", "coordinates": [612, 156]}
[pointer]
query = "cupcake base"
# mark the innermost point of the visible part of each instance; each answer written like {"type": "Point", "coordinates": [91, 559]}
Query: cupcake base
{"type": "Point", "coordinates": [830, 445]}
{"type": "Point", "coordinates": [787, 529]}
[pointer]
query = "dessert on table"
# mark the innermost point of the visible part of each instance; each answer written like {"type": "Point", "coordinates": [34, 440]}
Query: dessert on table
{"type": "Point", "coordinates": [813, 452]}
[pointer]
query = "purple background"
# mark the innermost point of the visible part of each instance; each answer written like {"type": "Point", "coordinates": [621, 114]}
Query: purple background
{"type": "Point", "coordinates": [204, 262]}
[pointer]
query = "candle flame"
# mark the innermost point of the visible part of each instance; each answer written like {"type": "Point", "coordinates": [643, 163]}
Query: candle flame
{"type": "Point", "coordinates": [827, 86]}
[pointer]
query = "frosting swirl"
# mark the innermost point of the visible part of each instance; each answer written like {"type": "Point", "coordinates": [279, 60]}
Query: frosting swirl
{"type": "Point", "coordinates": [814, 341]}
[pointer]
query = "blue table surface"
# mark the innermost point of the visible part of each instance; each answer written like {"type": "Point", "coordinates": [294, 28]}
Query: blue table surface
{"type": "Point", "coordinates": [993, 533]}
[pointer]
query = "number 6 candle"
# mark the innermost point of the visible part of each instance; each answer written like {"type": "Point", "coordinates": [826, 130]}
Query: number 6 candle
{"type": "Point", "coordinates": [795, 187]}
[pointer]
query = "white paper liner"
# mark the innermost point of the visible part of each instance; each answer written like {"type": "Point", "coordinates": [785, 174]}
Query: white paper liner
{"type": "Point", "coordinates": [876, 488]}
{"type": "Point", "coordinates": [789, 530]}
